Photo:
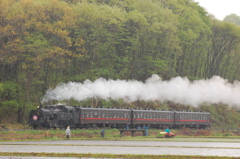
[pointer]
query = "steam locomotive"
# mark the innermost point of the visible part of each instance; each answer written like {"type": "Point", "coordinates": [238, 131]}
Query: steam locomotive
{"type": "Point", "coordinates": [61, 116]}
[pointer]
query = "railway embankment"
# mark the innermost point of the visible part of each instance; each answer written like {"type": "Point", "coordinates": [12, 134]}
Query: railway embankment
{"type": "Point", "coordinates": [112, 134]}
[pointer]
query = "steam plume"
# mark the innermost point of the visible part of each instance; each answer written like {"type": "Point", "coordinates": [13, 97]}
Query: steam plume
{"type": "Point", "coordinates": [178, 89]}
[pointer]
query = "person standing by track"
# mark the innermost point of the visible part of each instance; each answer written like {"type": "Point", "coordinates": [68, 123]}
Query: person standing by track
{"type": "Point", "coordinates": [68, 132]}
{"type": "Point", "coordinates": [102, 133]}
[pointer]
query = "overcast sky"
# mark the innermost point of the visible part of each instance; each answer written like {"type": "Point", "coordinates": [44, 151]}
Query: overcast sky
{"type": "Point", "coordinates": [220, 8]}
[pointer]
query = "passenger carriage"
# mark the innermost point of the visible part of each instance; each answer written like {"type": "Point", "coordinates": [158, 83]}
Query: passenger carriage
{"type": "Point", "coordinates": [104, 117]}
{"type": "Point", "coordinates": [152, 118]}
{"type": "Point", "coordinates": [198, 120]}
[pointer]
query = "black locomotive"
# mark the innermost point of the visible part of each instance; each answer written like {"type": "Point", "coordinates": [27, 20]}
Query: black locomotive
{"type": "Point", "coordinates": [61, 116]}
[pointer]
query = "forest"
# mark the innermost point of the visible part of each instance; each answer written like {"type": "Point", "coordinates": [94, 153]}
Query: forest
{"type": "Point", "coordinates": [47, 42]}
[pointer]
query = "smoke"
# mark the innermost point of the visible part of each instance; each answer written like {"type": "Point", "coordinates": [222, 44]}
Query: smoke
{"type": "Point", "coordinates": [179, 90]}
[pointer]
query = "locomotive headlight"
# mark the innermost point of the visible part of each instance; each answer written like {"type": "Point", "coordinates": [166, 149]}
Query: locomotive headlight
{"type": "Point", "coordinates": [35, 117]}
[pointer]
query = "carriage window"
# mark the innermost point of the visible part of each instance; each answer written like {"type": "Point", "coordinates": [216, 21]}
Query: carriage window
{"type": "Point", "coordinates": [110, 115]}
{"type": "Point", "coordinates": [95, 113]}
{"type": "Point", "coordinates": [87, 114]}
{"type": "Point", "coordinates": [147, 116]}
{"type": "Point", "coordinates": [103, 114]}
{"type": "Point", "coordinates": [198, 117]}
{"type": "Point", "coordinates": [99, 114]}
{"type": "Point", "coordinates": [122, 115]}
{"type": "Point", "coordinates": [83, 114]}
{"type": "Point", "coordinates": [91, 114]}
{"type": "Point", "coordinates": [193, 117]}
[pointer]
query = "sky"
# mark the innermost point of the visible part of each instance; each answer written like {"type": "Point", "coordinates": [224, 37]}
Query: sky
{"type": "Point", "coordinates": [220, 8]}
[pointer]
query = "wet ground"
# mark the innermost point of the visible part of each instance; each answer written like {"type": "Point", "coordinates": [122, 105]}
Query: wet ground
{"type": "Point", "coordinates": [230, 148]}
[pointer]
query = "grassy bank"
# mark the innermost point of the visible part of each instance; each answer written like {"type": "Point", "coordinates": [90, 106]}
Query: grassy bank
{"type": "Point", "coordinates": [129, 156]}
{"type": "Point", "coordinates": [111, 134]}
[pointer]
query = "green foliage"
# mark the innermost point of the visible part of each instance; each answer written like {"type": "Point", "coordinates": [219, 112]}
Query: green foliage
{"type": "Point", "coordinates": [160, 135]}
{"type": "Point", "coordinates": [233, 18]}
{"type": "Point", "coordinates": [45, 42]}
{"type": "Point", "coordinates": [8, 108]}
{"type": "Point", "coordinates": [222, 116]}
{"type": "Point", "coordinates": [1, 88]}
{"type": "Point", "coordinates": [9, 91]}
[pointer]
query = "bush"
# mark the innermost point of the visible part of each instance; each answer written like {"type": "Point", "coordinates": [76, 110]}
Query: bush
{"type": "Point", "coordinates": [160, 135]}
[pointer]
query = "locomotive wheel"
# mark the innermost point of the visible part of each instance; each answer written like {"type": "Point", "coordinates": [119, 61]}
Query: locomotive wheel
{"type": "Point", "coordinates": [35, 126]}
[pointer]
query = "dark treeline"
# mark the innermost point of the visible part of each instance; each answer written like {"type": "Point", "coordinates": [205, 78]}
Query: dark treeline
{"type": "Point", "coordinates": [45, 42]}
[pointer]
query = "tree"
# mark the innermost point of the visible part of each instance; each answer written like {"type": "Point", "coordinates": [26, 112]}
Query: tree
{"type": "Point", "coordinates": [35, 45]}
{"type": "Point", "coordinates": [193, 30]}
{"type": "Point", "coordinates": [225, 37]}
{"type": "Point", "coordinates": [232, 18]}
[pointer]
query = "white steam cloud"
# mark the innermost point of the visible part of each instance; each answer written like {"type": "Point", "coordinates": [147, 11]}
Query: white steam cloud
{"type": "Point", "coordinates": [180, 90]}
